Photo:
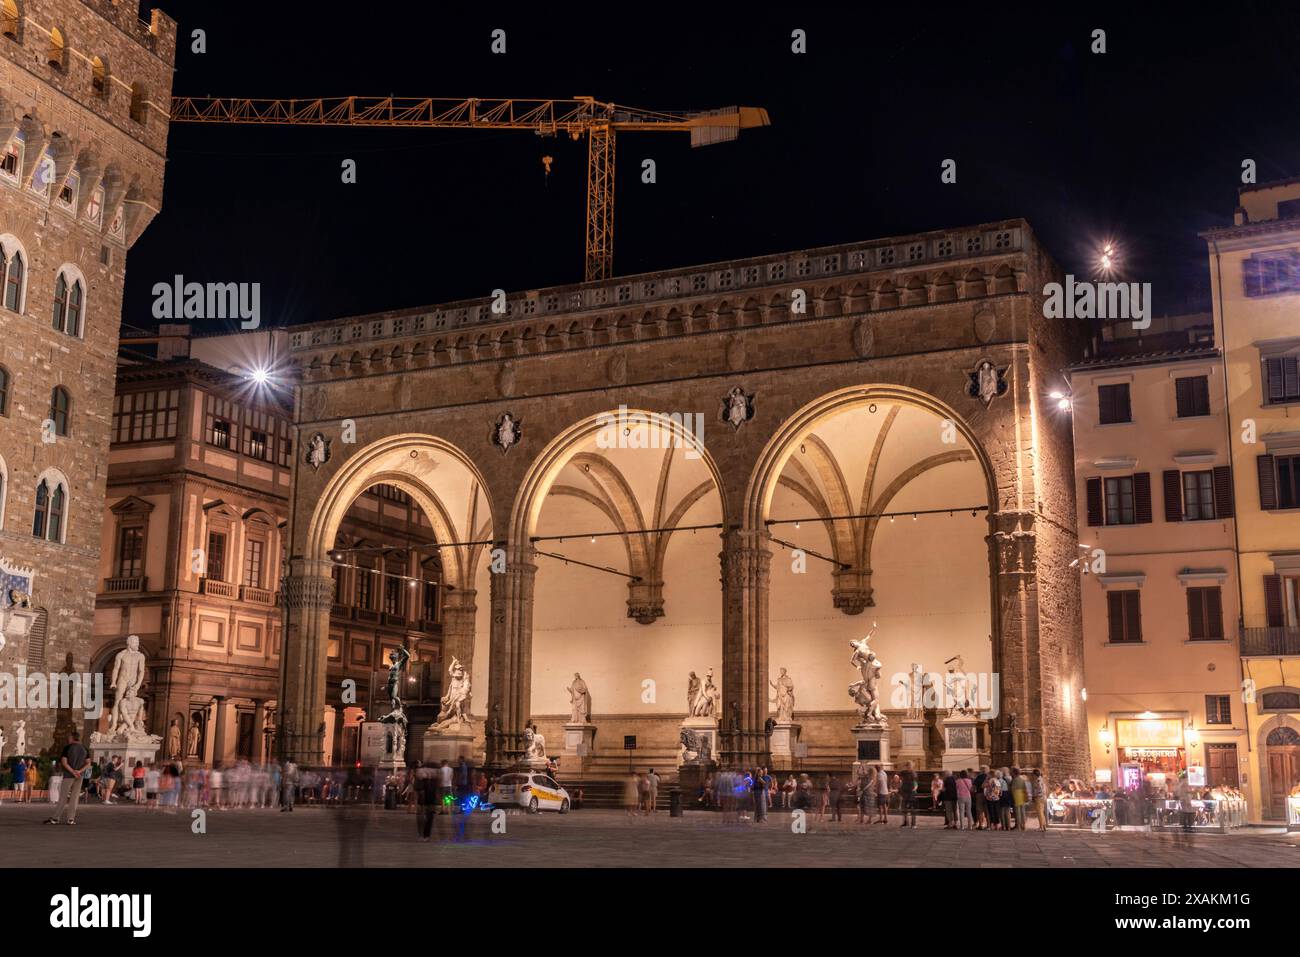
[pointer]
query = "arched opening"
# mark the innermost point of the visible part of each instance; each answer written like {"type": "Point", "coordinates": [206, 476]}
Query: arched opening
{"type": "Point", "coordinates": [139, 100]}
{"type": "Point", "coordinates": [871, 497]}
{"type": "Point", "coordinates": [620, 516]}
{"type": "Point", "coordinates": [10, 19]}
{"type": "Point", "coordinates": [1281, 764]}
{"type": "Point", "coordinates": [56, 53]}
{"type": "Point", "coordinates": [98, 77]}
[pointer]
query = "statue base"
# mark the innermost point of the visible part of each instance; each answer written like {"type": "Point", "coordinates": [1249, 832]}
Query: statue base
{"type": "Point", "coordinates": [872, 747]}
{"type": "Point", "coordinates": [785, 735]}
{"type": "Point", "coordinates": [912, 747]}
{"type": "Point", "coordinates": [707, 729]}
{"type": "Point", "coordinates": [961, 742]}
{"type": "Point", "coordinates": [449, 745]}
{"type": "Point", "coordinates": [579, 742]}
{"type": "Point", "coordinates": [141, 749]}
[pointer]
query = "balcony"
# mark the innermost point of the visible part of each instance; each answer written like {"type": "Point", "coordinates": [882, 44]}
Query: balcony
{"type": "Point", "coordinates": [217, 589]}
{"type": "Point", "coordinates": [258, 595]}
{"type": "Point", "coordinates": [120, 585]}
{"type": "Point", "coordinates": [1270, 642]}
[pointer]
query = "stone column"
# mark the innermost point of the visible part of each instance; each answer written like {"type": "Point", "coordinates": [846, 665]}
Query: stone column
{"type": "Point", "coordinates": [308, 595]}
{"type": "Point", "coordinates": [511, 652]}
{"type": "Point", "coordinates": [1016, 742]}
{"type": "Point", "coordinates": [219, 730]}
{"type": "Point", "coordinates": [746, 561]}
{"type": "Point", "coordinates": [259, 739]}
{"type": "Point", "coordinates": [458, 611]}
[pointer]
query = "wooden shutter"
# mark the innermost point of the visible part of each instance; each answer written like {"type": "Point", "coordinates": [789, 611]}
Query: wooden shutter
{"type": "Point", "coordinates": [1115, 615]}
{"type": "Point", "coordinates": [1273, 601]}
{"type": "Point", "coordinates": [1213, 612]}
{"type": "Point", "coordinates": [1094, 502]}
{"type": "Point", "coordinates": [1195, 614]}
{"type": "Point", "coordinates": [1183, 392]}
{"type": "Point", "coordinates": [1173, 481]}
{"type": "Point", "coordinates": [1291, 377]}
{"type": "Point", "coordinates": [1142, 498]}
{"type": "Point", "coordinates": [1133, 615]}
{"type": "Point", "coordinates": [1223, 501]}
{"type": "Point", "coordinates": [1273, 380]}
{"type": "Point", "coordinates": [1267, 482]}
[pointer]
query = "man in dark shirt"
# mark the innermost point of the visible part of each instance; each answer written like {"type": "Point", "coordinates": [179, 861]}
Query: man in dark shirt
{"type": "Point", "coordinates": [72, 763]}
{"type": "Point", "coordinates": [907, 794]}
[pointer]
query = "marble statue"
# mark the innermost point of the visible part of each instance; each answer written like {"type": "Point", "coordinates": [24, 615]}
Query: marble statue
{"type": "Point", "coordinates": [579, 700]}
{"type": "Point", "coordinates": [455, 703]}
{"type": "Point", "coordinates": [3, 739]}
{"type": "Point", "coordinates": [174, 739]}
{"type": "Point", "coordinates": [20, 738]}
{"type": "Point", "coordinates": [705, 704]}
{"type": "Point", "coordinates": [957, 687]}
{"type": "Point", "coordinates": [866, 692]}
{"type": "Point", "coordinates": [192, 741]}
{"type": "Point", "coordinates": [534, 742]}
{"type": "Point", "coordinates": [915, 692]}
{"type": "Point", "coordinates": [692, 692]}
{"type": "Point", "coordinates": [128, 676]}
{"type": "Point", "coordinates": [784, 686]}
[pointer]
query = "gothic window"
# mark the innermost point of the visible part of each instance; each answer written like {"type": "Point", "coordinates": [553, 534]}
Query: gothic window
{"type": "Point", "coordinates": [60, 410]}
{"type": "Point", "coordinates": [67, 305]}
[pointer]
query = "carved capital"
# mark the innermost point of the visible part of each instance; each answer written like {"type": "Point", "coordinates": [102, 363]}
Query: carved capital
{"type": "Point", "coordinates": [746, 559]}
{"type": "Point", "coordinates": [311, 592]}
{"type": "Point", "coordinates": [1015, 540]}
{"type": "Point", "coordinates": [645, 601]}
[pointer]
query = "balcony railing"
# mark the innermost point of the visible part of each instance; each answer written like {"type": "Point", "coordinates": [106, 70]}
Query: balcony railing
{"type": "Point", "coordinates": [259, 595]}
{"type": "Point", "coordinates": [1270, 642]}
{"type": "Point", "coordinates": [137, 583]}
{"type": "Point", "coordinates": [218, 589]}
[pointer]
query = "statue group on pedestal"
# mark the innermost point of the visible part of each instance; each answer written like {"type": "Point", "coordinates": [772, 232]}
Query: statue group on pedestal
{"type": "Point", "coordinates": [784, 686]}
{"type": "Point", "coordinates": [579, 701]}
{"type": "Point", "coordinates": [702, 700]}
{"type": "Point", "coordinates": [126, 719]}
{"type": "Point", "coordinates": [866, 692]}
{"type": "Point", "coordinates": [455, 703]}
{"type": "Point", "coordinates": [396, 716]}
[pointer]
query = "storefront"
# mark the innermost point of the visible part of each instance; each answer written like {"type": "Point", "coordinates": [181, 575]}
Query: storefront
{"type": "Point", "coordinates": [1150, 748]}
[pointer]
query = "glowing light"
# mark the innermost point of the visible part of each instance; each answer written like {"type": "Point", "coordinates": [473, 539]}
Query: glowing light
{"type": "Point", "coordinates": [1063, 405]}
{"type": "Point", "coordinates": [1056, 395]}
{"type": "Point", "coordinates": [260, 376]}
{"type": "Point", "coordinates": [1107, 257]}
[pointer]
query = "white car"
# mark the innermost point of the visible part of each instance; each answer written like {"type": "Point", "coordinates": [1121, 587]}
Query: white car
{"type": "Point", "coordinates": [529, 789]}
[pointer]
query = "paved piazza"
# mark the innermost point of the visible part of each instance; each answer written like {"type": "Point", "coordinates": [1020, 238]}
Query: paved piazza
{"type": "Point", "coordinates": [315, 837]}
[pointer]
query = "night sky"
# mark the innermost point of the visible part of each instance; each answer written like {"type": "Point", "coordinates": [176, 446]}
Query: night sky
{"type": "Point", "coordinates": [1143, 143]}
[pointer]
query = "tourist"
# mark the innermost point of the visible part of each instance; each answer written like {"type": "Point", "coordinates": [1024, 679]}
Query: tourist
{"type": "Point", "coordinates": [948, 798]}
{"type": "Point", "coordinates": [73, 762]}
{"type": "Point", "coordinates": [426, 788]}
{"type": "Point", "coordinates": [289, 781]}
{"type": "Point", "coordinates": [643, 790]}
{"type": "Point", "coordinates": [465, 781]}
{"type": "Point", "coordinates": [708, 791]}
{"type": "Point", "coordinates": [965, 787]}
{"type": "Point", "coordinates": [152, 779]}
{"type": "Point", "coordinates": [104, 783]}
{"type": "Point", "coordinates": [216, 786]}
{"type": "Point", "coordinates": [137, 782]}
{"type": "Point", "coordinates": [907, 794]}
{"type": "Point", "coordinates": [1038, 795]}
{"type": "Point", "coordinates": [866, 794]}
{"type": "Point", "coordinates": [33, 779]}
{"type": "Point", "coordinates": [824, 798]}
{"type": "Point", "coordinates": [761, 787]}
{"type": "Point", "coordinates": [1019, 797]}
{"type": "Point", "coordinates": [936, 791]}
{"type": "Point", "coordinates": [834, 797]}
{"type": "Point", "coordinates": [652, 786]}
{"type": "Point", "coordinates": [882, 795]}
{"type": "Point", "coordinates": [981, 805]}
{"type": "Point", "coordinates": [20, 779]}
{"type": "Point", "coordinates": [1005, 801]}
{"type": "Point", "coordinates": [445, 782]}
{"type": "Point", "coordinates": [577, 799]}
{"type": "Point", "coordinates": [992, 798]}
{"type": "Point", "coordinates": [632, 794]}
{"type": "Point", "coordinates": [787, 792]}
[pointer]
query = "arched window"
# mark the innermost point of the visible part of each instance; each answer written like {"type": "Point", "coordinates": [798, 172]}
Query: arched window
{"type": "Point", "coordinates": [41, 518]}
{"type": "Point", "coordinates": [9, 19]}
{"type": "Point", "coordinates": [67, 305]}
{"type": "Point", "coordinates": [51, 510]}
{"type": "Point", "coordinates": [137, 102]}
{"type": "Point", "coordinates": [58, 506]}
{"type": "Point", "coordinates": [60, 409]}
{"type": "Point", "coordinates": [14, 283]}
{"type": "Point", "coordinates": [4, 391]}
{"type": "Point", "coordinates": [55, 55]}
{"type": "Point", "coordinates": [4, 488]}
{"type": "Point", "coordinates": [98, 76]}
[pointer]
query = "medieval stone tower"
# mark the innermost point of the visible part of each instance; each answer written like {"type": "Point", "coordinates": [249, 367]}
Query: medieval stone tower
{"type": "Point", "coordinates": [85, 87]}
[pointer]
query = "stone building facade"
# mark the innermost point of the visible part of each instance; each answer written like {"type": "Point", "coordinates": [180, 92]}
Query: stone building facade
{"type": "Point", "coordinates": [192, 553]}
{"type": "Point", "coordinates": [494, 415]}
{"type": "Point", "coordinates": [84, 94]}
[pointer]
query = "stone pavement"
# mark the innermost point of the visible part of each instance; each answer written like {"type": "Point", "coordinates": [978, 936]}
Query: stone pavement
{"type": "Point", "coordinates": [317, 837]}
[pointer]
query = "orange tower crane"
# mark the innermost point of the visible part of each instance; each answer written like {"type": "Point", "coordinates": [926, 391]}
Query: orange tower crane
{"type": "Point", "coordinates": [578, 117]}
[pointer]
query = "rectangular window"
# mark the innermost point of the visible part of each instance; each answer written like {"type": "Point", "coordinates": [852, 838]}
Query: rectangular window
{"type": "Point", "coordinates": [365, 586]}
{"type": "Point", "coordinates": [1198, 495]}
{"type": "Point", "coordinates": [220, 436]}
{"type": "Point", "coordinates": [1288, 481]}
{"type": "Point", "coordinates": [1221, 765]}
{"type": "Point", "coordinates": [11, 164]}
{"type": "Point", "coordinates": [146, 416]}
{"type": "Point", "coordinates": [1281, 379]}
{"type": "Point", "coordinates": [430, 605]}
{"type": "Point", "coordinates": [1218, 709]}
{"type": "Point", "coordinates": [219, 425]}
{"type": "Point", "coordinates": [1113, 402]}
{"type": "Point", "coordinates": [257, 445]}
{"type": "Point", "coordinates": [130, 553]}
{"type": "Point", "coordinates": [1205, 614]}
{"type": "Point", "coordinates": [393, 595]}
{"type": "Point", "coordinates": [1193, 394]}
{"type": "Point", "coordinates": [217, 556]}
{"type": "Point", "coordinates": [1124, 610]}
{"type": "Point", "coordinates": [1119, 501]}
{"type": "Point", "coordinates": [1268, 274]}
{"type": "Point", "coordinates": [253, 563]}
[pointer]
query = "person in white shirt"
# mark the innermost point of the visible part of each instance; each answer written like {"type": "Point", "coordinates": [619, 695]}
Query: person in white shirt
{"type": "Point", "coordinates": [444, 788]}
{"type": "Point", "coordinates": [882, 794]}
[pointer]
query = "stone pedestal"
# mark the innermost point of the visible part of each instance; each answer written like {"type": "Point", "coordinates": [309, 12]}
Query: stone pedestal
{"type": "Point", "coordinates": [394, 755]}
{"type": "Point", "coordinates": [449, 746]}
{"type": "Point", "coordinates": [706, 729]}
{"type": "Point", "coordinates": [961, 742]}
{"type": "Point", "coordinates": [101, 752]}
{"type": "Point", "coordinates": [872, 747]}
{"type": "Point", "coordinates": [579, 743]}
{"type": "Point", "coordinates": [785, 735]}
{"type": "Point", "coordinates": [912, 747]}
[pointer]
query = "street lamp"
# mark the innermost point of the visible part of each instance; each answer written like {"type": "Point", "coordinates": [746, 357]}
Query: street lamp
{"type": "Point", "coordinates": [1105, 736]}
